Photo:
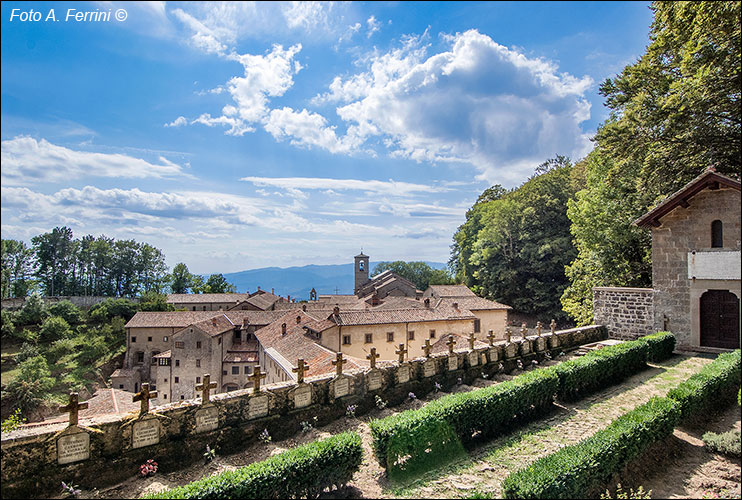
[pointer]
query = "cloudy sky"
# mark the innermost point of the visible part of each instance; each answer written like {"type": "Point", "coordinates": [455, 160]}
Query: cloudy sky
{"type": "Point", "coordinates": [242, 135]}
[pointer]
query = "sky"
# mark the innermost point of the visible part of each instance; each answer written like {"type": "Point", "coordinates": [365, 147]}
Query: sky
{"type": "Point", "coordinates": [241, 135]}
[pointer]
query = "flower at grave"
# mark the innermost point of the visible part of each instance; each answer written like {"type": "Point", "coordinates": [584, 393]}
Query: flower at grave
{"type": "Point", "coordinates": [264, 436]}
{"type": "Point", "coordinates": [148, 468]}
{"type": "Point", "coordinates": [500, 367]}
{"type": "Point", "coordinates": [437, 387]}
{"type": "Point", "coordinates": [547, 355]}
{"type": "Point", "coordinates": [380, 403]}
{"type": "Point", "coordinates": [412, 395]}
{"type": "Point", "coordinates": [534, 362]}
{"type": "Point", "coordinates": [484, 375]}
{"type": "Point", "coordinates": [458, 380]}
{"type": "Point", "coordinates": [210, 453]}
{"type": "Point", "coordinates": [520, 365]}
{"type": "Point", "coordinates": [561, 353]}
{"type": "Point", "coordinates": [350, 411]}
{"type": "Point", "coordinates": [70, 490]}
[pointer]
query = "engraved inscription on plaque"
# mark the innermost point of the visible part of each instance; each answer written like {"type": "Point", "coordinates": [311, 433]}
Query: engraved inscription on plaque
{"type": "Point", "coordinates": [429, 368]}
{"type": "Point", "coordinates": [145, 433]}
{"type": "Point", "coordinates": [258, 407]}
{"type": "Point", "coordinates": [540, 344]}
{"type": "Point", "coordinates": [207, 419]}
{"type": "Point", "coordinates": [73, 448]}
{"type": "Point", "coordinates": [342, 387]}
{"type": "Point", "coordinates": [525, 347]}
{"type": "Point", "coordinates": [554, 341]}
{"type": "Point", "coordinates": [453, 363]}
{"type": "Point", "coordinates": [403, 374]}
{"type": "Point", "coordinates": [302, 396]}
{"type": "Point", "coordinates": [511, 350]}
{"type": "Point", "coordinates": [374, 380]}
{"type": "Point", "coordinates": [494, 354]}
{"type": "Point", "coordinates": [473, 358]}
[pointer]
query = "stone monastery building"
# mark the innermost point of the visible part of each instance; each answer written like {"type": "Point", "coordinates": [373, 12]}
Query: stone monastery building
{"type": "Point", "coordinates": [229, 335]}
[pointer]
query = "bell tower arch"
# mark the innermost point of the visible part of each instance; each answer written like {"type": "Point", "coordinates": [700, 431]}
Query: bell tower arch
{"type": "Point", "coordinates": [360, 270]}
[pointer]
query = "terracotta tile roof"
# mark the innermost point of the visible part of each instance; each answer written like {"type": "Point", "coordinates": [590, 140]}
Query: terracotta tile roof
{"type": "Point", "coordinates": [263, 301]}
{"type": "Point", "coordinates": [124, 372]}
{"type": "Point", "coordinates": [336, 299]}
{"type": "Point", "coordinates": [165, 354]}
{"type": "Point", "coordinates": [103, 402]}
{"type": "Point", "coordinates": [380, 281]}
{"type": "Point", "coordinates": [241, 357]}
{"type": "Point", "coordinates": [214, 326]}
{"type": "Point", "coordinates": [180, 319]}
{"type": "Point", "coordinates": [462, 341]}
{"type": "Point", "coordinates": [201, 298]}
{"type": "Point", "coordinates": [474, 303]}
{"type": "Point", "coordinates": [254, 317]}
{"type": "Point", "coordinates": [375, 317]}
{"type": "Point", "coordinates": [451, 291]}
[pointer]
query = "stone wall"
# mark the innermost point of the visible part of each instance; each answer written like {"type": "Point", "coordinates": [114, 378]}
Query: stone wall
{"type": "Point", "coordinates": [627, 313]}
{"type": "Point", "coordinates": [83, 302]}
{"type": "Point", "coordinates": [110, 448]}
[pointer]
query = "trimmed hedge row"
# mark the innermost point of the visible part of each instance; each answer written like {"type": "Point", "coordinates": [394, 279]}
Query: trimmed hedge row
{"type": "Point", "coordinates": [661, 345]}
{"type": "Point", "coordinates": [304, 471]}
{"type": "Point", "coordinates": [715, 381]}
{"type": "Point", "coordinates": [600, 368]}
{"type": "Point", "coordinates": [417, 439]}
{"type": "Point", "coordinates": [574, 471]}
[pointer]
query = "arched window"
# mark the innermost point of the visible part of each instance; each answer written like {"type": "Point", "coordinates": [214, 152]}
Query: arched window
{"type": "Point", "coordinates": [717, 235]}
{"type": "Point", "coordinates": [361, 266]}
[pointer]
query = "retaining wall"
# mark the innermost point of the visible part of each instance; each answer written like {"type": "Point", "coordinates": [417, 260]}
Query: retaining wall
{"type": "Point", "coordinates": [627, 313]}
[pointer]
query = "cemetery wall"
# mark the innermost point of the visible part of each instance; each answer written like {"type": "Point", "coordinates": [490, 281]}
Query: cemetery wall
{"type": "Point", "coordinates": [110, 448]}
{"type": "Point", "coordinates": [83, 302]}
{"type": "Point", "coordinates": [627, 313]}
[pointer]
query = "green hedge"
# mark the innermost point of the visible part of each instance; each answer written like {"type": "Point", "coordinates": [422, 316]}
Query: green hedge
{"type": "Point", "coordinates": [661, 345]}
{"type": "Point", "coordinates": [577, 470]}
{"type": "Point", "coordinates": [600, 368]}
{"type": "Point", "coordinates": [715, 381]}
{"type": "Point", "coordinates": [421, 439]}
{"type": "Point", "coordinates": [300, 472]}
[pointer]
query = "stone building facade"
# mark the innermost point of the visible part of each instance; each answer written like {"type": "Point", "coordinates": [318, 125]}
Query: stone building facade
{"type": "Point", "coordinates": [627, 312]}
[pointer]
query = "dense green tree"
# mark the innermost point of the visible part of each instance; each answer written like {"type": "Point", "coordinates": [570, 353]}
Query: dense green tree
{"type": "Point", "coordinates": [181, 279]}
{"type": "Point", "coordinates": [153, 301]}
{"type": "Point", "coordinates": [8, 325]}
{"type": "Point", "coordinates": [16, 262]}
{"type": "Point", "coordinates": [217, 283]}
{"type": "Point", "coordinates": [67, 310]}
{"type": "Point", "coordinates": [32, 385]}
{"type": "Point", "coordinates": [53, 258]}
{"type": "Point", "coordinates": [419, 273]}
{"type": "Point", "coordinates": [33, 312]}
{"type": "Point", "coordinates": [54, 328]}
{"type": "Point", "coordinates": [108, 309]}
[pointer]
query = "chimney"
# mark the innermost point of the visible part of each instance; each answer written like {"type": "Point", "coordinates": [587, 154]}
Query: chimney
{"type": "Point", "coordinates": [258, 287]}
{"type": "Point", "coordinates": [456, 305]}
{"type": "Point", "coordinates": [427, 303]}
{"type": "Point", "coordinates": [304, 307]}
{"type": "Point", "coordinates": [273, 291]}
{"type": "Point", "coordinates": [283, 328]}
{"type": "Point", "coordinates": [298, 320]}
{"type": "Point", "coordinates": [289, 298]}
{"type": "Point", "coordinates": [245, 322]}
{"type": "Point", "coordinates": [213, 321]}
{"type": "Point", "coordinates": [336, 310]}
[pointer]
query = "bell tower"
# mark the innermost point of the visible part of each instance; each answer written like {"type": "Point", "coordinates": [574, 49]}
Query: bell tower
{"type": "Point", "coordinates": [361, 270]}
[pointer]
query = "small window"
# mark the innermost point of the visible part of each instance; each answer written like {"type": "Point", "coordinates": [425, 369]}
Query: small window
{"type": "Point", "coordinates": [133, 340]}
{"type": "Point", "coordinates": [361, 266]}
{"type": "Point", "coordinates": [182, 397]}
{"type": "Point", "coordinates": [149, 339]}
{"type": "Point", "coordinates": [121, 386]}
{"type": "Point", "coordinates": [194, 308]}
{"type": "Point", "coordinates": [198, 363]}
{"type": "Point", "coordinates": [140, 357]}
{"type": "Point", "coordinates": [220, 341]}
{"type": "Point", "coordinates": [224, 372]}
{"type": "Point", "coordinates": [717, 234]}
{"type": "Point", "coordinates": [390, 336]}
{"type": "Point", "coordinates": [177, 380]}
{"type": "Point", "coordinates": [204, 308]}
{"type": "Point", "coordinates": [164, 396]}
{"type": "Point", "coordinates": [198, 380]}
{"type": "Point", "coordinates": [198, 344]}
{"type": "Point", "coordinates": [247, 370]}
{"type": "Point", "coordinates": [432, 334]}
{"type": "Point", "coordinates": [477, 325]}
{"type": "Point", "coordinates": [411, 335]}
{"type": "Point", "coordinates": [179, 345]}
{"type": "Point", "coordinates": [165, 380]}
{"type": "Point", "coordinates": [235, 370]}
{"type": "Point", "coordinates": [165, 338]}
{"type": "Point", "coordinates": [346, 339]}
{"type": "Point", "coordinates": [177, 362]}
{"type": "Point", "coordinates": [369, 338]}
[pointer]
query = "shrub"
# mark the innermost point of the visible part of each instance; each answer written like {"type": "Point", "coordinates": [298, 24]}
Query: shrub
{"type": "Point", "coordinates": [54, 328]}
{"type": "Point", "coordinates": [299, 472]}
{"type": "Point", "coordinates": [14, 421]}
{"type": "Point", "coordinates": [33, 312]}
{"type": "Point", "coordinates": [726, 443]}
{"type": "Point", "coordinates": [417, 440]}
{"type": "Point", "coordinates": [716, 381]}
{"type": "Point", "coordinates": [67, 310]}
{"type": "Point", "coordinates": [103, 312]}
{"type": "Point", "coordinates": [8, 326]}
{"type": "Point", "coordinates": [28, 350]}
{"type": "Point", "coordinates": [578, 470]}
{"type": "Point", "coordinates": [661, 345]}
{"type": "Point", "coordinates": [600, 368]}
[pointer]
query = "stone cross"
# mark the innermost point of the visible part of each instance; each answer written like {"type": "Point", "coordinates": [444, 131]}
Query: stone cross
{"type": "Point", "coordinates": [471, 339]}
{"type": "Point", "coordinates": [401, 352]}
{"type": "Point", "coordinates": [539, 326]}
{"type": "Point", "coordinates": [144, 396]}
{"type": "Point", "coordinates": [301, 367]}
{"type": "Point", "coordinates": [450, 343]}
{"type": "Point", "coordinates": [523, 330]}
{"type": "Point", "coordinates": [553, 326]}
{"type": "Point", "coordinates": [256, 377]}
{"type": "Point", "coordinates": [372, 357]}
{"type": "Point", "coordinates": [491, 337]}
{"type": "Point", "coordinates": [338, 363]}
{"type": "Point", "coordinates": [205, 388]}
{"type": "Point", "coordinates": [427, 347]}
{"type": "Point", "coordinates": [73, 407]}
{"type": "Point", "coordinates": [508, 333]}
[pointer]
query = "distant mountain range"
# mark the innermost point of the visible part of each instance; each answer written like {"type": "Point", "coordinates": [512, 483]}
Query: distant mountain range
{"type": "Point", "coordinates": [299, 281]}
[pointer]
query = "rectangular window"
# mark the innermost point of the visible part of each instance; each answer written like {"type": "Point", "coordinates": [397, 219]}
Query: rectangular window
{"type": "Point", "coordinates": [432, 334]}
{"type": "Point", "coordinates": [346, 339]}
{"type": "Point", "coordinates": [177, 380]}
{"type": "Point", "coordinates": [477, 325]}
{"type": "Point", "coordinates": [220, 341]}
{"type": "Point", "coordinates": [180, 345]}
{"type": "Point", "coordinates": [177, 362]}
{"type": "Point", "coordinates": [198, 344]}
{"type": "Point", "coordinates": [411, 335]}
{"type": "Point", "coordinates": [133, 340]}
{"type": "Point", "coordinates": [235, 370]}
{"type": "Point", "coordinates": [164, 339]}
{"type": "Point", "coordinates": [149, 339]}
{"type": "Point", "coordinates": [198, 363]}
{"type": "Point", "coordinates": [140, 357]}
{"type": "Point", "coordinates": [247, 370]}
{"type": "Point", "coordinates": [165, 380]}
{"type": "Point", "coordinates": [390, 336]}
{"type": "Point", "coordinates": [198, 380]}
{"type": "Point", "coordinates": [164, 396]}
{"type": "Point", "coordinates": [182, 396]}
{"type": "Point", "coordinates": [121, 386]}
{"type": "Point", "coordinates": [369, 338]}
{"type": "Point", "coordinates": [224, 372]}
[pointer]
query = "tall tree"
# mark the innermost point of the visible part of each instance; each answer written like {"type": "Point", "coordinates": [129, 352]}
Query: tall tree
{"type": "Point", "coordinates": [53, 253]}
{"type": "Point", "coordinates": [217, 283]}
{"type": "Point", "coordinates": [180, 279]}
{"type": "Point", "coordinates": [17, 262]}
{"type": "Point", "coordinates": [419, 273]}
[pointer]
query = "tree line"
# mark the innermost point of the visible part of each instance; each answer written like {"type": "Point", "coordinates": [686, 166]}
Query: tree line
{"type": "Point", "coordinates": [676, 111]}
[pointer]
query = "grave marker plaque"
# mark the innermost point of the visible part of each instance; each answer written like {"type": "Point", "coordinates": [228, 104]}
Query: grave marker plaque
{"type": "Point", "coordinates": [257, 407]}
{"type": "Point", "coordinates": [374, 380]}
{"type": "Point", "coordinates": [453, 363]}
{"type": "Point", "coordinates": [525, 346]}
{"type": "Point", "coordinates": [403, 374]}
{"type": "Point", "coordinates": [554, 340]}
{"type": "Point", "coordinates": [207, 419]}
{"type": "Point", "coordinates": [511, 350]}
{"type": "Point", "coordinates": [473, 358]}
{"type": "Point", "coordinates": [429, 368]}
{"type": "Point", "coordinates": [73, 447]}
{"type": "Point", "coordinates": [494, 354]}
{"type": "Point", "coordinates": [302, 396]}
{"type": "Point", "coordinates": [145, 433]}
{"type": "Point", "coordinates": [341, 387]}
{"type": "Point", "coordinates": [540, 344]}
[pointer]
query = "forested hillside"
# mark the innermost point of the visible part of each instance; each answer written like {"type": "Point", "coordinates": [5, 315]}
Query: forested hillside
{"type": "Point", "coordinates": [674, 113]}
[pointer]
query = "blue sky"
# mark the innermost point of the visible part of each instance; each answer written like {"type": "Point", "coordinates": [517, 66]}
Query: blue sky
{"type": "Point", "coordinates": [242, 135]}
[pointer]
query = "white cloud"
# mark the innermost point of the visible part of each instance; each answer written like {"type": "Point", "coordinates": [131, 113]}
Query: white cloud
{"type": "Point", "coordinates": [178, 122]}
{"type": "Point", "coordinates": [305, 129]}
{"type": "Point", "coordinates": [373, 26]}
{"type": "Point", "coordinates": [28, 161]}
{"type": "Point", "coordinates": [390, 187]}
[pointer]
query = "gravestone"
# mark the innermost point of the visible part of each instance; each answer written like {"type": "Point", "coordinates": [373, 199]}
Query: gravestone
{"type": "Point", "coordinates": [341, 387]}
{"type": "Point", "coordinates": [302, 396]}
{"type": "Point", "coordinates": [453, 363]}
{"type": "Point", "coordinates": [511, 350]}
{"type": "Point", "coordinates": [540, 344]}
{"type": "Point", "coordinates": [374, 380]}
{"type": "Point", "coordinates": [429, 368]}
{"type": "Point", "coordinates": [403, 374]}
{"type": "Point", "coordinates": [525, 347]}
{"type": "Point", "coordinates": [554, 341]}
{"type": "Point", "coordinates": [494, 354]}
{"type": "Point", "coordinates": [473, 358]}
{"type": "Point", "coordinates": [73, 446]}
{"type": "Point", "coordinates": [207, 419]}
{"type": "Point", "coordinates": [257, 407]}
{"type": "Point", "coordinates": [145, 433]}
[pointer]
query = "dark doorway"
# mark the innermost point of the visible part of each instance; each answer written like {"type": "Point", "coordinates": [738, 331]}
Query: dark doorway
{"type": "Point", "coordinates": [720, 319]}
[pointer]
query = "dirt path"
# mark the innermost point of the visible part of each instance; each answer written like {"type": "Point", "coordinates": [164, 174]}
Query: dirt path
{"type": "Point", "coordinates": [486, 466]}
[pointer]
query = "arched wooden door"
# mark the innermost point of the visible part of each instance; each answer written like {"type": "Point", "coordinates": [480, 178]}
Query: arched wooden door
{"type": "Point", "coordinates": [720, 319]}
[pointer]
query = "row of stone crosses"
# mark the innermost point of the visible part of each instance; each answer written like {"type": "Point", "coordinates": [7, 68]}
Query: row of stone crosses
{"type": "Point", "coordinates": [74, 406]}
